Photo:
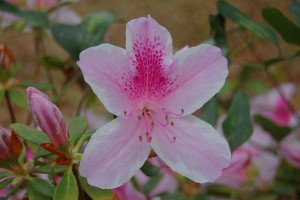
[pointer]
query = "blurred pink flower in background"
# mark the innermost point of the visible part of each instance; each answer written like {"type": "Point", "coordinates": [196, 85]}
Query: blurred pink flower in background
{"type": "Point", "coordinates": [290, 149]}
{"type": "Point", "coordinates": [48, 116]}
{"type": "Point", "coordinates": [60, 15]}
{"type": "Point", "coordinates": [273, 106]}
{"type": "Point", "coordinates": [153, 94]}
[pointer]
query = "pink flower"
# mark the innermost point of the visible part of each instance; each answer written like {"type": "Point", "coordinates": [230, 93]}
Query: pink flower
{"type": "Point", "coordinates": [153, 94]}
{"type": "Point", "coordinates": [48, 116]}
{"type": "Point", "coordinates": [252, 161]}
{"type": "Point", "coordinates": [274, 106]}
{"type": "Point", "coordinates": [290, 148]}
{"type": "Point", "coordinates": [128, 192]}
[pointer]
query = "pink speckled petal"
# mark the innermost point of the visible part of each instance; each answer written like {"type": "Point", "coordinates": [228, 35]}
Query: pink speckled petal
{"type": "Point", "coordinates": [145, 35]}
{"type": "Point", "coordinates": [199, 73]}
{"type": "Point", "coordinates": [103, 68]}
{"type": "Point", "coordinates": [199, 152]}
{"type": "Point", "coordinates": [114, 154]}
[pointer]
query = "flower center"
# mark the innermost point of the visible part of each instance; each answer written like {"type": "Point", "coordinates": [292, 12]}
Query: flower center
{"type": "Point", "coordinates": [153, 116]}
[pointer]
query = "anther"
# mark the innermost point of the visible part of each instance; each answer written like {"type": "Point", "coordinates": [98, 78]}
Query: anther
{"type": "Point", "coordinates": [174, 138]}
{"type": "Point", "coordinates": [182, 111]}
{"type": "Point", "coordinates": [152, 125]}
{"type": "Point", "coordinates": [140, 138]}
{"type": "Point", "coordinates": [140, 117]}
{"type": "Point", "coordinates": [125, 112]}
{"type": "Point", "coordinates": [172, 123]}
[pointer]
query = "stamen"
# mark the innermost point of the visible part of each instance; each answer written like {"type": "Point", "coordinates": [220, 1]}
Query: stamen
{"type": "Point", "coordinates": [174, 139]}
{"type": "Point", "coordinates": [172, 123]}
{"type": "Point", "coordinates": [140, 138]}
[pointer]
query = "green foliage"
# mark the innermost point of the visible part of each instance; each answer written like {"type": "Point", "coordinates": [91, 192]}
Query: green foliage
{"type": "Point", "coordinates": [41, 186]}
{"type": "Point", "coordinates": [210, 112]}
{"type": "Point", "coordinates": [52, 62]}
{"type": "Point", "coordinates": [152, 183]}
{"type": "Point", "coordinates": [94, 192]}
{"type": "Point", "coordinates": [237, 126]}
{"type": "Point", "coordinates": [33, 194]}
{"type": "Point", "coordinates": [278, 132]}
{"type": "Point", "coordinates": [232, 13]}
{"type": "Point", "coordinates": [287, 29]}
{"type": "Point", "coordinates": [32, 18]}
{"type": "Point", "coordinates": [47, 169]}
{"type": "Point", "coordinates": [29, 134]}
{"type": "Point", "coordinates": [90, 32]}
{"type": "Point", "coordinates": [218, 32]}
{"type": "Point", "coordinates": [18, 97]}
{"type": "Point", "coordinates": [149, 169]}
{"type": "Point", "coordinates": [76, 128]}
{"type": "Point", "coordinates": [67, 188]}
{"type": "Point", "coordinates": [37, 85]}
{"type": "Point", "coordinates": [295, 11]}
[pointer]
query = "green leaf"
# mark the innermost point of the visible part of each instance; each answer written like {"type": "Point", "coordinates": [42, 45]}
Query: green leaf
{"type": "Point", "coordinates": [152, 182]}
{"type": "Point", "coordinates": [5, 182]}
{"type": "Point", "coordinates": [220, 190]}
{"type": "Point", "coordinates": [149, 169]}
{"type": "Point", "coordinates": [67, 188]}
{"type": "Point", "coordinates": [18, 97]}
{"type": "Point", "coordinates": [35, 195]}
{"type": "Point", "coordinates": [76, 128]}
{"type": "Point", "coordinates": [29, 134]}
{"type": "Point", "coordinates": [40, 86]}
{"type": "Point", "coordinates": [4, 174]}
{"type": "Point", "coordinates": [47, 169]}
{"type": "Point", "coordinates": [287, 29]}
{"type": "Point", "coordinates": [90, 32]}
{"type": "Point", "coordinates": [278, 132]}
{"type": "Point", "coordinates": [36, 18]}
{"type": "Point", "coordinates": [295, 11]}
{"type": "Point", "coordinates": [42, 186]}
{"type": "Point", "coordinates": [6, 7]}
{"type": "Point", "coordinates": [218, 32]}
{"type": "Point", "coordinates": [232, 13]}
{"type": "Point", "coordinates": [237, 126]}
{"type": "Point", "coordinates": [210, 112]}
{"type": "Point", "coordinates": [52, 62]}
{"type": "Point", "coordinates": [175, 196]}
{"type": "Point", "coordinates": [94, 192]}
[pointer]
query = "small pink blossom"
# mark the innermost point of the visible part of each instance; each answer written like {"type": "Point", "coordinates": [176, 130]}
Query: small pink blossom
{"type": "Point", "coordinates": [274, 106]}
{"type": "Point", "coordinates": [128, 192]}
{"type": "Point", "coordinates": [290, 148]}
{"type": "Point", "coordinates": [153, 93]}
{"type": "Point", "coordinates": [48, 116]}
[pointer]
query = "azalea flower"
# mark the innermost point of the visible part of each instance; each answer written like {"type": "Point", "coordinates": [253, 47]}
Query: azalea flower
{"type": "Point", "coordinates": [153, 93]}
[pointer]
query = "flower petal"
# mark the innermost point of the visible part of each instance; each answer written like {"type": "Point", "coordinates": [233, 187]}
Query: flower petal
{"type": "Point", "coordinates": [290, 148]}
{"type": "Point", "coordinates": [199, 151]}
{"type": "Point", "coordinates": [199, 72]}
{"type": "Point", "coordinates": [114, 154]}
{"type": "Point", "coordinates": [103, 67]}
{"type": "Point", "coordinates": [145, 35]}
{"type": "Point", "coordinates": [128, 192]}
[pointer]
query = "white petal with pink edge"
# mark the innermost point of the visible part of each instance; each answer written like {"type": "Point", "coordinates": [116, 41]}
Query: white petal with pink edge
{"type": "Point", "coordinates": [103, 67]}
{"type": "Point", "coordinates": [199, 151]}
{"type": "Point", "coordinates": [114, 154]}
{"type": "Point", "coordinates": [199, 72]}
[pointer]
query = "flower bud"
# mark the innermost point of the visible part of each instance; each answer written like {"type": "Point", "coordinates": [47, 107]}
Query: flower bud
{"type": "Point", "coordinates": [48, 116]}
{"type": "Point", "coordinates": [7, 60]}
{"type": "Point", "coordinates": [10, 147]}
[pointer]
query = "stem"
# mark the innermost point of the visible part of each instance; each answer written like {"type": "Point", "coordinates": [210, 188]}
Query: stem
{"type": "Point", "coordinates": [53, 176]}
{"type": "Point", "coordinates": [82, 194]}
{"type": "Point", "coordinates": [10, 108]}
